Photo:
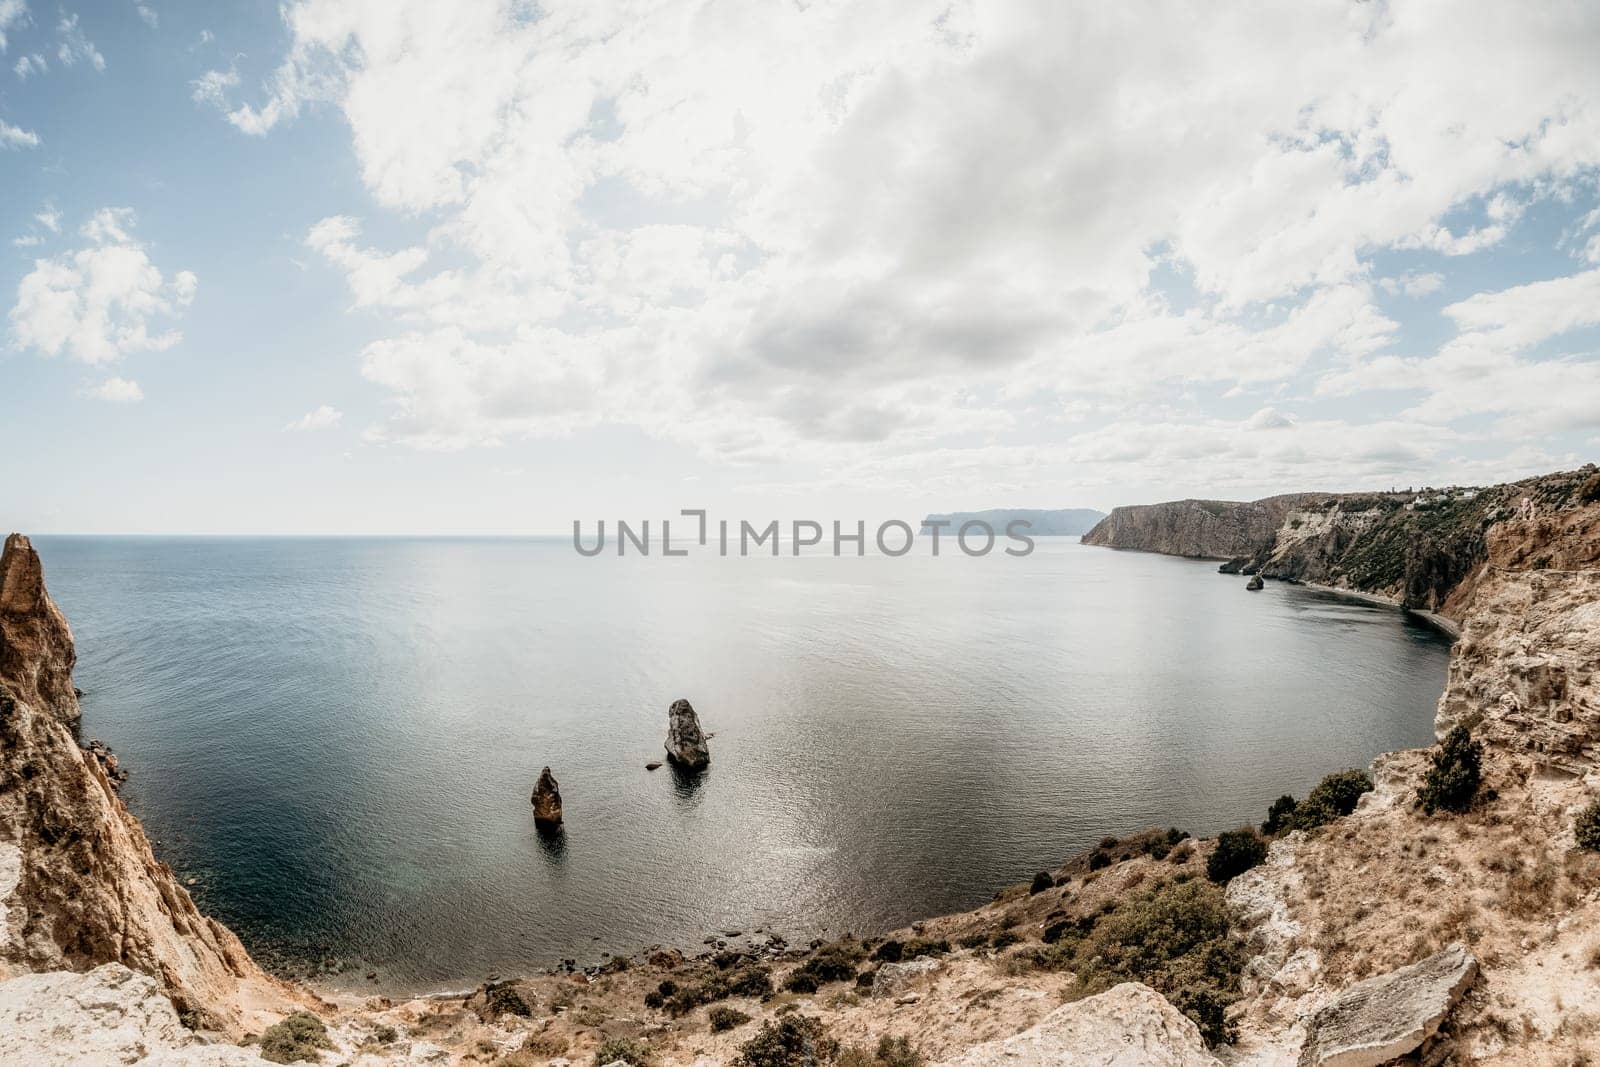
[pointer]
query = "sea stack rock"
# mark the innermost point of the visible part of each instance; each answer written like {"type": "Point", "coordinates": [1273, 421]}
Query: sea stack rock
{"type": "Point", "coordinates": [1255, 584]}
{"type": "Point", "coordinates": [686, 743]}
{"type": "Point", "coordinates": [547, 800]}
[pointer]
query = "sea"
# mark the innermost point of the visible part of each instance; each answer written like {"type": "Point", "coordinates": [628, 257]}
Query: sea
{"type": "Point", "coordinates": [333, 741]}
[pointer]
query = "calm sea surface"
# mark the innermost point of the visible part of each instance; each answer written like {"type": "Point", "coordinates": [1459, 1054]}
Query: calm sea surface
{"type": "Point", "coordinates": [337, 738]}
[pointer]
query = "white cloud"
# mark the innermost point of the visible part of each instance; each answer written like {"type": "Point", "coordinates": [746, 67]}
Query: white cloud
{"type": "Point", "coordinates": [901, 222]}
{"type": "Point", "coordinates": [74, 46]}
{"type": "Point", "coordinates": [1413, 284]}
{"type": "Point", "coordinates": [96, 304]}
{"type": "Point", "coordinates": [118, 391]}
{"type": "Point", "coordinates": [49, 218]}
{"type": "Point", "coordinates": [212, 86]}
{"type": "Point", "coordinates": [12, 13]}
{"type": "Point", "coordinates": [321, 418]}
{"type": "Point", "coordinates": [27, 240]}
{"type": "Point", "coordinates": [28, 65]}
{"type": "Point", "coordinates": [14, 137]}
{"type": "Point", "coordinates": [147, 14]}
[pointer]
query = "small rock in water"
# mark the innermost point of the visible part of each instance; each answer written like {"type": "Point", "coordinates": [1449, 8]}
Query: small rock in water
{"type": "Point", "coordinates": [547, 800]}
{"type": "Point", "coordinates": [686, 743]}
{"type": "Point", "coordinates": [1255, 584]}
{"type": "Point", "coordinates": [653, 765]}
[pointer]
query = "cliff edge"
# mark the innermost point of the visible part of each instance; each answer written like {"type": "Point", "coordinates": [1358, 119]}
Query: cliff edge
{"type": "Point", "coordinates": [79, 885]}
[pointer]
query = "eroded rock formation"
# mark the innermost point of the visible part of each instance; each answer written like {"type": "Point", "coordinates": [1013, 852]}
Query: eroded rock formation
{"type": "Point", "coordinates": [1390, 1015]}
{"type": "Point", "coordinates": [79, 885]}
{"type": "Point", "coordinates": [686, 742]}
{"type": "Point", "coordinates": [1127, 1024]}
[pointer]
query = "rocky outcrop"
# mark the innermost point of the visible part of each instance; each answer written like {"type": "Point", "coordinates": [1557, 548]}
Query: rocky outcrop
{"type": "Point", "coordinates": [36, 650]}
{"type": "Point", "coordinates": [1526, 672]}
{"type": "Point", "coordinates": [1127, 1024]}
{"type": "Point", "coordinates": [1391, 1015]}
{"type": "Point", "coordinates": [107, 1016]}
{"type": "Point", "coordinates": [686, 742]}
{"type": "Point", "coordinates": [892, 979]}
{"type": "Point", "coordinates": [547, 800]}
{"type": "Point", "coordinates": [79, 885]}
{"type": "Point", "coordinates": [1200, 529]}
{"type": "Point", "coordinates": [1255, 584]}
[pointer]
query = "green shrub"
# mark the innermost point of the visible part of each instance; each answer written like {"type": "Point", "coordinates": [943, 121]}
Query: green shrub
{"type": "Point", "coordinates": [1586, 828]}
{"type": "Point", "coordinates": [801, 982]}
{"type": "Point", "coordinates": [830, 963]}
{"type": "Point", "coordinates": [1041, 882]}
{"type": "Point", "coordinates": [1452, 778]}
{"type": "Point", "coordinates": [793, 1041]}
{"type": "Point", "coordinates": [385, 1035]}
{"type": "Point", "coordinates": [1005, 939]}
{"type": "Point", "coordinates": [922, 946]}
{"type": "Point", "coordinates": [1099, 860]}
{"type": "Point", "coordinates": [1341, 791]}
{"type": "Point", "coordinates": [889, 952]}
{"type": "Point", "coordinates": [891, 1052]}
{"type": "Point", "coordinates": [1278, 814]}
{"type": "Point", "coordinates": [725, 1018]}
{"type": "Point", "coordinates": [1173, 938]}
{"type": "Point", "coordinates": [1236, 852]}
{"type": "Point", "coordinates": [747, 982]}
{"type": "Point", "coordinates": [502, 998]}
{"type": "Point", "coordinates": [295, 1039]}
{"type": "Point", "coordinates": [613, 1049]}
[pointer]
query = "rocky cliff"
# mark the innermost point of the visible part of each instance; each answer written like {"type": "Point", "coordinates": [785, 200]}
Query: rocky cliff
{"type": "Point", "coordinates": [79, 885]}
{"type": "Point", "coordinates": [1200, 529]}
{"type": "Point", "coordinates": [1421, 549]}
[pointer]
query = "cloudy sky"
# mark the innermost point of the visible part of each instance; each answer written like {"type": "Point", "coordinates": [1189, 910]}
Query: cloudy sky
{"type": "Point", "coordinates": [398, 265]}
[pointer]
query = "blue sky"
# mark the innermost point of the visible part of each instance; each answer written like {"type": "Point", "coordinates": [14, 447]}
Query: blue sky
{"type": "Point", "coordinates": [484, 267]}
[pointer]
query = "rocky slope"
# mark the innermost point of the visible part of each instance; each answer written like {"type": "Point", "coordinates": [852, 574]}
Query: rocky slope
{"type": "Point", "coordinates": [1388, 932]}
{"type": "Point", "coordinates": [79, 885]}
{"type": "Point", "coordinates": [1417, 549]}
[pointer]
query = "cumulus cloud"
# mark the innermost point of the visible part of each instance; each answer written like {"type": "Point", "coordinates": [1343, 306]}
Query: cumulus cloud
{"type": "Point", "coordinates": [98, 303]}
{"type": "Point", "coordinates": [28, 65]}
{"type": "Point", "coordinates": [15, 137]}
{"type": "Point", "coordinates": [319, 418]}
{"type": "Point", "coordinates": [118, 391]}
{"type": "Point", "coordinates": [901, 222]}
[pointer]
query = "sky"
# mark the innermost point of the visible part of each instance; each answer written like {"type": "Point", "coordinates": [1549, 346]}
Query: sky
{"type": "Point", "coordinates": [491, 267]}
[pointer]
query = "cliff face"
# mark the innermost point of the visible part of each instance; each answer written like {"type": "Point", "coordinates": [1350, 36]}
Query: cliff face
{"type": "Point", "coordinates": [1422, 550]}
{"type": "Point", "coordinates": [1201, 529]}
{"type": "Point", "coordinates": [36, 650]}
{"type": "Point", "coordinates": [79, 885]}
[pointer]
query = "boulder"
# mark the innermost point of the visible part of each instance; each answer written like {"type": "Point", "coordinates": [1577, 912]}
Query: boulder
{"type": "Point", "coordinates": [547, 800]}
{"type": "Point", "coordinates": [1255, 584]}
{"type": "Point", "coordinates": [110, 1015]}
{"type": "Point", "coordinates": [893, 978]}
{"type": "Point", "coordinates": [686, 742]}
{"type": "Point", "coordinates": [1130, 1025]}
{"type": "Point", "coordinates": [1390, 1015]}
